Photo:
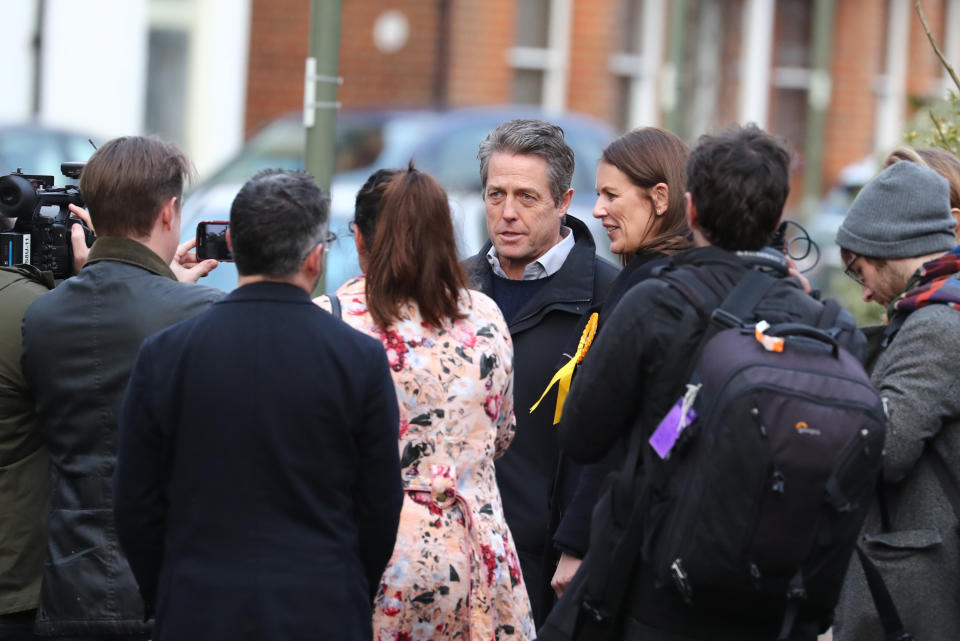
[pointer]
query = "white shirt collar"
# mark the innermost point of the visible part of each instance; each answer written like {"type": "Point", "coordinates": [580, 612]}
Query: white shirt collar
{"type": "Point", "coordinates": [547, 265]}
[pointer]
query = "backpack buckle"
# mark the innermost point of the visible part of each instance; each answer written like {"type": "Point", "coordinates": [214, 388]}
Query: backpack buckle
{"type": "Point", "coordinates": [725, 319]}
{"type": "Point", "coordinates": [597, 613]}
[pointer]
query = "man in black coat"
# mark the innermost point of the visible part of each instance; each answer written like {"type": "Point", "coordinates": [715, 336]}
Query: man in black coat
{"type": "Point", "coordinates": [636, 370]}
{"type": "Point", "coordinates": [258, 483]}
{"type": "Point", "coordinates": [79, 344]}
{"type": "Point", "coordinates": [542, 270]}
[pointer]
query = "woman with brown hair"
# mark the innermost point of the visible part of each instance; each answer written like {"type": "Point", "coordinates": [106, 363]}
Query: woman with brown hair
{"type": "Point", "coordinates": [454, 572]}
{"type": "Point", "coordinates": [941, 161]}
{"type": "Point", "coordinates": [641, 182]}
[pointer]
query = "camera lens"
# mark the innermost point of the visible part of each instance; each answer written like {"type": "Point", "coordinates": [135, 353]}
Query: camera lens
{"type": "Point", "coordinates": [17, 196]}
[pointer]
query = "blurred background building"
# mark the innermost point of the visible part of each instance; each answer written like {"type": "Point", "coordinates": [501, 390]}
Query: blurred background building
{"type": "Point", "coordinates": [210, 73]}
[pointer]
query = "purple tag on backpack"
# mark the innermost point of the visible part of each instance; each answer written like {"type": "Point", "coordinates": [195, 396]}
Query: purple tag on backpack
{"type": "Point", "coordinates": [666, 434]}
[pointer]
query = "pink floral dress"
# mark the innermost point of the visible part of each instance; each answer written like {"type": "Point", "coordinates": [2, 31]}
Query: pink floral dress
{"type": "Point", "coordinates": [454, 572]}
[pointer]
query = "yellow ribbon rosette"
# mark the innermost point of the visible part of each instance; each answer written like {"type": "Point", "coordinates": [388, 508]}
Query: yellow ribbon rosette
{"type": "Point", "coordinates": [565, 374]}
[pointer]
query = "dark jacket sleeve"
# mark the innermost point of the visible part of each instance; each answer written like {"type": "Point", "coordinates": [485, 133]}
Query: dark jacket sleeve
{"type": "Point", "coordinates": [603, 399]}
{"type": "Point", "coordinates": [379, 494]}
{"type": "Point", "coordinates": [573, 533]}
{"type": "Point", "coordinates": [139, 507]}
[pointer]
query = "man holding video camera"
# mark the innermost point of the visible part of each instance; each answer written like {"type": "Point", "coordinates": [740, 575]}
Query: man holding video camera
{"type": "Point", "coordinates": [79, 345]}
{"type": "Point", "coordinates": [24, 461]}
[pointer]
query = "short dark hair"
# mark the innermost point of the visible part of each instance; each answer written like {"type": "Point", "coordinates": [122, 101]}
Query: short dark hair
{"type": "Point", "coordinates": [739, 180]}
{"type": "Point", "coordinates": [127, 181]}
{"type": "Point", "coordinates": [278, 217]}
{"type": "Point", "coordinates": [531, 138]}
{"type": "Point", "coordinates": [413, 256]}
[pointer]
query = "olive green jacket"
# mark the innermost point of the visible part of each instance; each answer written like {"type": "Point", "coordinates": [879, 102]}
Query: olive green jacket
{"type": "Point", "coordinates": [24, 463]}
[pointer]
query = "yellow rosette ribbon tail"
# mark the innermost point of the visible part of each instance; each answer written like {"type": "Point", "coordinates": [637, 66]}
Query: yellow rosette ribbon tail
{"type": "Point", "coordinates": [565, 374]}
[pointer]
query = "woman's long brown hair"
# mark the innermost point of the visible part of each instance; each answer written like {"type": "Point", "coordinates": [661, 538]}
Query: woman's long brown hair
{"type": "Point", "coordinates": [649, 156]}
{"type": "Point", "coordinates": [413, 256]}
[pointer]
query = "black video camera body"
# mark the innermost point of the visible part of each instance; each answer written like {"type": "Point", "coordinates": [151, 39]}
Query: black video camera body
{"type": "Point", "coordinates": [41, 234]}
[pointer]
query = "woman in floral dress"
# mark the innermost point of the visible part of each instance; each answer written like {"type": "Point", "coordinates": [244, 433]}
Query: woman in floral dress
{"type": "Point", "coordinates": [454, 572]}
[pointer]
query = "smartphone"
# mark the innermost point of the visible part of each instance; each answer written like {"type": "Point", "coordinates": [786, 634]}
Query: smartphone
{"type": "Point", "coordinates": [212, 240]}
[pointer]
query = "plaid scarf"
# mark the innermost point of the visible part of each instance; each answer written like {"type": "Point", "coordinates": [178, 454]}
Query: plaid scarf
{"type": "Point", "coordinates": [932, 284]}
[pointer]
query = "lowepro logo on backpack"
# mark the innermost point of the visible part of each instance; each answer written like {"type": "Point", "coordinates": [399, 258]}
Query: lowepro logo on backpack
{"type": "Point", "coordinates": [803, 428]}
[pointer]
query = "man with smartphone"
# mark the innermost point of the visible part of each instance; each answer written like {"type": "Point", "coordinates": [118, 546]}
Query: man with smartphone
{"type": "Point", "coordinates": [258, 482]}
{"type": "Point", "coordinates": [79, 344]}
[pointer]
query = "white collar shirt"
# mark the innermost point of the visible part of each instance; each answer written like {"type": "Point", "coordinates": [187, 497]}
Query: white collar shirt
{"type": "Point", "coordinates": [547, 265]}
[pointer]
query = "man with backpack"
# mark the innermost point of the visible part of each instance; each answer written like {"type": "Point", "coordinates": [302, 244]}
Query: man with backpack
{"type": "Point", "coordinates": [742, 491]}
{"type": "Point", "coordinates": [897, 242]}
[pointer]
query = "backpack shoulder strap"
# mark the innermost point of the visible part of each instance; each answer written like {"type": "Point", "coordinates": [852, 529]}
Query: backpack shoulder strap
{"type": "Point", "coordinates": [889, 617]}
{"type": "Point", "coordinates": [829, 314]}
{"type": "Point", "coordinates": [335, 308]}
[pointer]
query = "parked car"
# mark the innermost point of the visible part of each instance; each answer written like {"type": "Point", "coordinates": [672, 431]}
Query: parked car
{"type": "Point", "coordinates": [442, 143]}
{"type": "Point", "coordinates": [39, 150]}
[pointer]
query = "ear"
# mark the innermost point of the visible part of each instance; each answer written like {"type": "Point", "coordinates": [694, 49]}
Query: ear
{"type": "Point", "coordinates": [565, 202]}
{"type": "Point", "coordinates": [359, 242]}
{"type": "Point", "coordinates": [660, 193]}
{"type": "Point", "coordinates": [691, 212]}
{"type": "Point", "coordinates": [956, 215]}
{"type": "Point", "coordinates": [168, 213]}
{"type": "Point", "coordinates": [312, 265]}
{"type": "Point", "coordinates": [229, 240]}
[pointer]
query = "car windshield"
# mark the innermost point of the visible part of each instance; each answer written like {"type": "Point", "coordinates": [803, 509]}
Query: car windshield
{"type": "Point", "coordinates": [40, 152]}
{"type": "Point", "coordinates": [281, 145]}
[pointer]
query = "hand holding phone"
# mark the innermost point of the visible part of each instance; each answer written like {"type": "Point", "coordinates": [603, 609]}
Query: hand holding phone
{"type": "Point", "coordinates": [212, 240]}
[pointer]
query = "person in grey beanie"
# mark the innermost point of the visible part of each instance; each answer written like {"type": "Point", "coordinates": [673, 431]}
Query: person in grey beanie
{"type": "Point", "coordinates": [898, 243]}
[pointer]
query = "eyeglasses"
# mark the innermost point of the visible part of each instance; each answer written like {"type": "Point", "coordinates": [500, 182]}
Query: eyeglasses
{"type": "Point", "coordinates": [328, 239]}
{"type": "Point", "coordinates": [848, 271]}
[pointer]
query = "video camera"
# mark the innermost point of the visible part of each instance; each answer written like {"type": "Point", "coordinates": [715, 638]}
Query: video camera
{"type": "Point", "coordinates": [41, 234]}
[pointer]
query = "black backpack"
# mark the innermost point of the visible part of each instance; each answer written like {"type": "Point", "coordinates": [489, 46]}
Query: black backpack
{"type": "Point", "coordinates": [758, 504]}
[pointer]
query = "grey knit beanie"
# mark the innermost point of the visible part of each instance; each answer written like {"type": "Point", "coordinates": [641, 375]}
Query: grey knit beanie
{"type": "Point", "coordinates": [902, 213]}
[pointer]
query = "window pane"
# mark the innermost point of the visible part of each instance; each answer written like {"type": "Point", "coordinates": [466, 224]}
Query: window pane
{"type": "Point", "coordinates": [623, 103]}
{"type": "Point", "coordinates": [789, 113]}
{"type": "Point", "coordinates": [166, 83]}
{"type": "Point", "coordinates": [533, 19]}
{"type": "Point", "coordinates": [794, 29]}
{"type": "Point", "coordinates": [527, 86]}
{"type": "Point", "coordinates": [631, 25]}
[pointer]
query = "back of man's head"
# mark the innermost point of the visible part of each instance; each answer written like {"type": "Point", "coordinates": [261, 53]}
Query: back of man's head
{"type": "Point", "coordinates": [902, 213]}
{"type": "Point", "coordinates": [278, 217]}
{"type": "Point", "coordinates": [523, 137]}
{"type": "Point", "coordinates": [128, 180]}
{"type": "Point", "coordinates": [739, 180]}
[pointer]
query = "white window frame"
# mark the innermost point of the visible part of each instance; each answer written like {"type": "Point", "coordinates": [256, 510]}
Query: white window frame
{"type": "Point", "coordinates": [642, 70]}
{"type": "Point", "coordinates": [553, 60]}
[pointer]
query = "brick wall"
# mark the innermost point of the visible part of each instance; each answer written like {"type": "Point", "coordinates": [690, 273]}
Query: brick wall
{"type": "Point", "coordinates": [924, 71]}
{"type": "Point", "coordinates": [279, 39]}
{"type": "Point", "coordinates": [482, 31]}
{"type": "Point", "coordinates": [372, 78]}
{"type": "Point", "coordinates": [856, 60]}
{"type": "Point", "coordinates": [592, 87]}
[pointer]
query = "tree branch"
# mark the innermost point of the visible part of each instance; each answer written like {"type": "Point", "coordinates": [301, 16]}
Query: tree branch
{"type": "Point", "coordinates": [937, 130]}
{"type": "Point", "coordinates": [936, 49]}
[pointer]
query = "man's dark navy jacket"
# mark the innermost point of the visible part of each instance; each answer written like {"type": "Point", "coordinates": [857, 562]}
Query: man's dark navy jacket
{"type": "Point", "coordinates": [258, 484]}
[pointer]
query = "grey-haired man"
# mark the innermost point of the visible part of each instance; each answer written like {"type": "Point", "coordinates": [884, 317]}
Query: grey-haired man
{"type": "Point", "coordinates": [897, 242]}
{"type": "Point", "coordinates": [541, 268]}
